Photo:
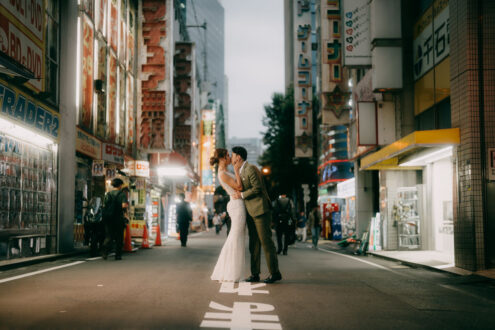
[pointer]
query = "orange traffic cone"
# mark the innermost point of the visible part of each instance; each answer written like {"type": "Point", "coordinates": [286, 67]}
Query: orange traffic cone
{"type": "Point", "coordinates": [146, 243]}
{"type": "Point", "coordinates": [127, 239]}
{"type": "Point", "coordinates": [158, 240]}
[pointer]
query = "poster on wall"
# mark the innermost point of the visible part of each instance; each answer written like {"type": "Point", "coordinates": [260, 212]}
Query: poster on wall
{"type": "Point", "coordinates": [356, 27]}
{"type": "Point", "coordinates": [86, 113]}
{"type": "Point", "coordinates": [113, 27]}
{"type": "Point", "coordinates": [130, 113]}
{"type": "Point", "coordinates": [122, 106]}
{"type": "Point", "coordinates": [101, 14]}
{"type": "Point", "coordinates": [112, 99]}
{"type": "Point", "coordinates": [101, 102]}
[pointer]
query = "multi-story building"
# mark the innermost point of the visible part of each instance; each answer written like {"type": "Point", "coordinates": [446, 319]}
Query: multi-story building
{"type": "Point", "coordinates": [252, 145]}
{"type": "Point", "coordinates": [205, 23]}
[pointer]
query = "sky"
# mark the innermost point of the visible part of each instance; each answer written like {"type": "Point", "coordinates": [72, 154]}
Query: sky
{"type": "Point", "coordinates": [254, 61]}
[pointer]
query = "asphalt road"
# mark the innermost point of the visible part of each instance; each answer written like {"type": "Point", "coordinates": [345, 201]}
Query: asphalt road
{"type": "Point", "coordinates": [169, 287]}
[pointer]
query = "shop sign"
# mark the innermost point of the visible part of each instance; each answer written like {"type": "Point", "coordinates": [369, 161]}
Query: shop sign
{"type": "Point", "coordinates": [112, 153]}
{"type": "Point", "coordinates": [431, 42]}
{"type": "Point", "coordinates": [303, 81]}
{"type": "Point", "coordinates": [491, 171]}
{"type": "Point", "coordinates": [26, 111]}
{"type": "Point", "coordinates": [98, 168]}
{"type": "Point", "coordinates": [87, 144]}
{"type": "Point", "coordinates": [346, 188]}
{"type": "Point", "coordinates": [357, 45]}
{"type": "Point", "coordinates": [21, 34]}
{"type": "Point", "coordinates": [142, 168]}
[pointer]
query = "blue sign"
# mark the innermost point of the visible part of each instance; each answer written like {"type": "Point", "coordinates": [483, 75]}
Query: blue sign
{"type": "Point", "coordinates": [336, 226]}
{"type": "Point", "coordinates": [24, 110]}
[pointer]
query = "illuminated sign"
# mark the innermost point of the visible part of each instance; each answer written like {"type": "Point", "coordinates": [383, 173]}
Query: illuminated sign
{"type": "Point", "coordinates": [26, 111]}
{"type": "Point", "coordinates": [207, 148]}
{"type": "Point", "coordinates": [87, 144]}
{"type": "Point", "coordinates": [112, 153]}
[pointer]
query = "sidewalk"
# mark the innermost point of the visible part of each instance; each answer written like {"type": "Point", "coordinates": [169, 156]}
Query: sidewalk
{"type": "Point", "coordinates": [432, 260]}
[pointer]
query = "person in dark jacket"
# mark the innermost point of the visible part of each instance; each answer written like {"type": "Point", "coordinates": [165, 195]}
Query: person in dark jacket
{"type": "Point", "coordinates": [284, 220]}
{"type": "Point", "coordinates": [184, 218]}
{"type": "Point", "coordinates": [315, 224]}
{"type": "Point", "coordinates": [115, 219]}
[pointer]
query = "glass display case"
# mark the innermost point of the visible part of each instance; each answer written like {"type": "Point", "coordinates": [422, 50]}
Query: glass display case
{"type": "Point", "coordinates": [406, 214]}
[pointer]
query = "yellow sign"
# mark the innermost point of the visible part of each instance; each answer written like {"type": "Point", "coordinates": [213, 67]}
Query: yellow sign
{"type": "Point", "coordinates": [88, 144]}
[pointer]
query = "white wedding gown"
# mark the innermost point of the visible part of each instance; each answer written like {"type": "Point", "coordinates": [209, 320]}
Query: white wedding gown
{"type": "Point", "coordinates": [230, 264]}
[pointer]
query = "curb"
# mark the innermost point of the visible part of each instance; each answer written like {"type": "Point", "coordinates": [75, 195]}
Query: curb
{"type": "Point", "coordinates": [22, 262]}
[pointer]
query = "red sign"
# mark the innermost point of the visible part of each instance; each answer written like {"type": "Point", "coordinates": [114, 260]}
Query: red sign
{"type": "Point", "coordinates": [86, 119]}
{"type": "Point", "coordinates": [20, 48]}
{"type": "Point", "coordinates": [112, 153]}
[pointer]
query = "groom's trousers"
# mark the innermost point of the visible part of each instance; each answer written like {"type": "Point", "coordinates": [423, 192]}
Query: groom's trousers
{"type": "Point", "coordinates": [260, 235]}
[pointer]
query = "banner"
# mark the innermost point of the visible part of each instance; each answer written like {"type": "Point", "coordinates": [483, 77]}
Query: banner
{"type": "Point", "coordinates": [303, 94]}
{"type": "Point", "coordinates": [356, 27]}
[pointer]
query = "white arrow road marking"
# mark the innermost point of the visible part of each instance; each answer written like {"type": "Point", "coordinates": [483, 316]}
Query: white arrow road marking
{"type": "Point", "coordinates": [39, 272]}
{"type": "Point", "coordinates": [243, 289]}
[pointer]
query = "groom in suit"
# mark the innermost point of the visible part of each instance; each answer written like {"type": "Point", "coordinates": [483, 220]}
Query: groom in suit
{"type": "Point", "coordinates": [258, 219]}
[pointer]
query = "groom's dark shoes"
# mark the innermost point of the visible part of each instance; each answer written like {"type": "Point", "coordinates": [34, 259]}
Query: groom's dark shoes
{"type": "Point", "coordinates": [253, 278]}
{"type": "Point", "coordinates": [273, 278]}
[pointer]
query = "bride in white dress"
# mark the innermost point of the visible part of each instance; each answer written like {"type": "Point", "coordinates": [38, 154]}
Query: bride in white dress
{"type": "Point", "coordinates": [230, 264]}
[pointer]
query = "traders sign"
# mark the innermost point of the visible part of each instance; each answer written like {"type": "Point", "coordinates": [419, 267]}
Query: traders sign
{"type": "Point", "coordinates": [113, 153]}
{"type": "Point", "coordinates": [26, 111]}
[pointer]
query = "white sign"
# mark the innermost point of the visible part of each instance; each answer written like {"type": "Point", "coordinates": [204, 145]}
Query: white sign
{"type": "Point", "coordinates": [243, 315]}
{"type": "Point", "coordinates": [491, 162]}
{"type": "Point", "coordinates": [367, 123]}
{"type": "Point", "coordinates": [142, 168]}
{"type": "Point", "coordinates": [30, 13]}
{"type": "Point", "coordinates": [98, 168]}
{"type": "Point", "coordinates": [356, 28]}
{"type": "Point", "coordinates": [347, 188]}
{"type": "Point", "coordinates": [113, 153]}
{"type": "Point", "coordinates": [431, 44]}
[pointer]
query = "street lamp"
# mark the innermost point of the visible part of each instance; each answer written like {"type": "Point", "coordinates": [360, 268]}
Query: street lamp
{"type": "Point", "coordinates": [266, 170]}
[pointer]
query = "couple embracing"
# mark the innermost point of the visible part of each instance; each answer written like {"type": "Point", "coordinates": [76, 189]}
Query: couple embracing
{"type": "Point", "coordinates": [249, 204]}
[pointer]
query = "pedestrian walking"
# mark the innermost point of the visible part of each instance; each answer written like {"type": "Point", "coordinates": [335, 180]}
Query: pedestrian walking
{"type": "Point", "coordinates": [184, 218]}
{"type": "Point", "coordinates": [284, 219]}
{"type": "Point", "coordinates": [315, 224]}
{"type": "Point", "coordinates": [217, 222]}
{"type": "Point", "coordinates": [301, 230]}
{"type": "Point", "coordinates": [115, 219]}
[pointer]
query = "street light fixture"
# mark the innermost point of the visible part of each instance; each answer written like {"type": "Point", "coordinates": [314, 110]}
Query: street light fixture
{"type": "Point", "coordinates": [266, 170]}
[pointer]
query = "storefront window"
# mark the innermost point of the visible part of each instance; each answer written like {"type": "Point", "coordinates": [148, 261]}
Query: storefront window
{"type": "Point", "coordinates": [28, 181]}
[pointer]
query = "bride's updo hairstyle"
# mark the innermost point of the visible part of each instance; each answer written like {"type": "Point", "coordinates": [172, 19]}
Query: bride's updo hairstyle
{"type": "Point", "coordinates": [219, 154]}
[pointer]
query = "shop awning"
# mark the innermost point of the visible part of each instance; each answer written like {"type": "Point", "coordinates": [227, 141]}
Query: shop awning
{"type": "Point", "coordinates": [390, 156]}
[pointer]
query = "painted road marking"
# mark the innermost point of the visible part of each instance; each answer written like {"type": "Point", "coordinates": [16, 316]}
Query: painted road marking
{"type": "Point", "coordinates": [241, 316]}
{"type": "Point", "coordinates": [244, 288]}
{"type": "Point", "coordinates": [358, 259]}
{"type": "Point", "coordinates": [39, 272]}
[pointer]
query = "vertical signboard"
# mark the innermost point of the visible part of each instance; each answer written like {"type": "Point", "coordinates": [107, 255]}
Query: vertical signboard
{"type": "Point", "coordinates": [112, 98]}
{"type": "Point", "coordinates": [86, 106]}
{"type": "Point", "coordinates": [334, 95]}
{"type": "Point", "coordinates": [431, 42]}
{"type": "Point", "coordinates": [22, 38]}
{"type": "Point", "coordinates": [155, 76]}
{"type": "Point", "coordinates": [303, 93]}
{"type": "Point", "coordinates": [184, 92]}
{"type": "Point", "coordinates": [357, 43]}
{"type": "Point", "coordinates": [207, 149]}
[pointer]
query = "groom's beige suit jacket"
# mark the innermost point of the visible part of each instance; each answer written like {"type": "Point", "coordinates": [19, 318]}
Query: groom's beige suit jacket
{"type": "Point", "coordinates": [254, 194]}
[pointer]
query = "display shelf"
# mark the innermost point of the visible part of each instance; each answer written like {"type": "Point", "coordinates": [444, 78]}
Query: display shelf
{"type": "Point", "coordinates": [406, 214]}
